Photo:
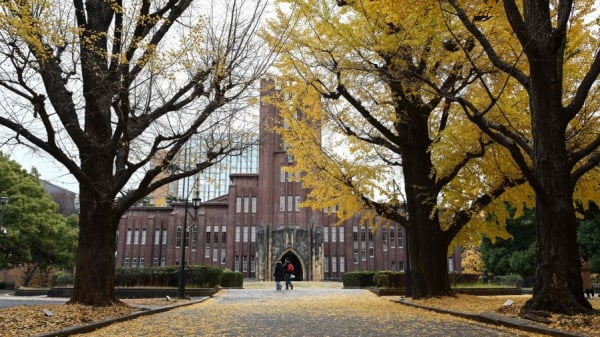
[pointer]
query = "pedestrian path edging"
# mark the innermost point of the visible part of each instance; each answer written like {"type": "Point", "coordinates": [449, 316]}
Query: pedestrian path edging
{"type": "Point", "coordinates": [101, 324]}
{"type": "Point", "coordinates": [497, 319]}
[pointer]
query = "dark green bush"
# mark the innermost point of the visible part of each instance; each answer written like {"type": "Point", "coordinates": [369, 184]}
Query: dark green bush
{"type": "Point", "coordinates": [512, 280]}
{"type": "Point", "coordinates": [232, 279]}
{"type": "Point", "coordinates": [463, 278]}
{"type": "Point", "coordinates": [60, 279]}
{"type": "Point", "coordinates": [195, 276]}
{"type": "Point", "coordinates": [389, 279]}
{"type": "Point", "coordinates": [360, 279]}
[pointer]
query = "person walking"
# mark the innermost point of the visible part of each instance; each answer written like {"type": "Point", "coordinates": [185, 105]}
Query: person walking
{"type": "Point", "coordinates": [586, 277]}
{"type": "Point", "coordinates": [288, 268]}
{"type": "Point", "coordinates": [278, 274]}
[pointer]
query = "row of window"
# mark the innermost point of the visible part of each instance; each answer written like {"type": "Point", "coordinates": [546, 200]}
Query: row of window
{"type": "Point", "coordinates": [240, 265]}
{"type": "Point", "coordinates": [241, 234]}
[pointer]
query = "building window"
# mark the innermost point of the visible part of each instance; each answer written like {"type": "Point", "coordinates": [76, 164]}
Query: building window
{"type": "Point", "coordinates": [370, 233]}
{"type": "Point", "coordinates": [394, 268]}
{"type": "Point", "coordinates": [216, 236]}
{"type": "Point", "coordinates": [363, 251]}
{"type": "Point", "coordinates": [237, 233]}
{"type": "Point", "coordinates": [342, 264]}
{"type": "Point", "coordinates": [282, 175]}
{"type": "Point", "coordinates": [144, 236]}
{"type": "Point", "coordinates": [341, 235]}
{"type": "Point", "coordinates": [178, 237]}
{"type": "Point", "coordinates": [384, 235]}
{"type": "Point", "coordinates": [126, 262]}
{"type": "Point", "coordinates": [334, 264]}
{"type": "Point", "coordinates": [194, 237]}
{"type": "Point", "coordinates": [238, 204]}
{"type": "Point", "coordinates": [141, 262]}
{"type": "Point", "coordinates": [208, 235]}
{"type": "Point", "coordinates": [223, 235]}
{"type": "Point", "coordinates": [290, 205]}
{"type": "Point", "coordinates": [163, 261]}
{"type": "Point", "coordinates": [245, 234]}
{"type": "Point", "coordinates": [156, 236]}
{"type": "Point", "coordinates": [254, 206]}
{"type": "Point", "coordinates": [223, 255]}
{"type": "Point", "coordinates": [392, 237]}
{"type": "Point", "coordinates": [244, 264]}
{"type": "Point", "coordinates": [325, 234]}
{"type": "Point", "coordinates": [246, 205]}
{"type": "Point", "coordinates": [355, 233]}
{"type": "Point", "coordinates": [236, 266]}
{"type": "Point", "coordinates": [333, 234]}
{"type": "Point", "coordinates": [136, 237]}
{"type": "Point", "coordinates": [207, 251]}
{"type": "Point", "coordinates": [362, 234]}
{"type": "Point", "coordinates": [155, 262]}
{"type": "Point", "coordinates": [282, 203]}
{"type": "Point", "coordinates": [450, 264]}
{"type": "Point", "coordinates": [297, 203]}
{"type": "Point", "coordinates": [401, 267]}
{"type": "Point", "coordinates": [371, 249]}
{"type": "Point", "coordinates": [253, 234]}
{"type": "Point", "coordinates": [326, 267]}
{"type": "Point", "coordinates": [134, 262]}
{"type": "Point", "coordinates": [400, 238]}
{"type": "Point", "coordinates": [252, 264]}
{"type": "Point", "coordinates": [164, 237]}
{"type": "Point", "coordinates": [128, 236]}
{"type": "Point", "coordinates": [186, 237]}
{"type": "Point", "coordinates": [215, 255]}
{"type": "Point", "coordinates": [355, 255]}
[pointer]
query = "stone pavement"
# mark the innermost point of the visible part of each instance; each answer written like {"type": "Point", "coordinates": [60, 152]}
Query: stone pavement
{"type": "Point", "coordinates": [303, 312]}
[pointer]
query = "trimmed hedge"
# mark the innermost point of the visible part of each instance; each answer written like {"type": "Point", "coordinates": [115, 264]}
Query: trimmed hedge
{"type": "Point", "coordinates": [360, 279]}
{"type": "Point", "coordinates": [195, 276]}
{"type": "Point", "coordinates": [232, 279]}
{"type": "Point", "coordinates": [389, 279]}
{"type": "Point", "coordinates": [463, 278]}
{"type": "Point", "coordinates": [512, 280]}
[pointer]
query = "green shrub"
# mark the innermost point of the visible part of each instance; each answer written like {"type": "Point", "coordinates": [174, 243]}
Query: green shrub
{"type": "Point", "coordinates": [203, 276]}
{"type": "Point", "coordinates": [60, 279]}
{"type": "Point", "coordinates": [389, 279]}
{"type": "Point", "coordinates": [463, 278]}
{"type": "Point", "coordinates": [232, 279]}
{"type": "Point", "coordinates": [512, 280]}
{"type": "Point", "coordinates": [360, 279]}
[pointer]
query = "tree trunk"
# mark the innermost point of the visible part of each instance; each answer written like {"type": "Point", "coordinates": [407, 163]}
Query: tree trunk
{"type": "Point", "coordinates": [427, 242]}
{"type": "Point", "coordinates": [428, 255]}
{"type": "Point", "coordinates": [558, 285]}
{"type": "Point", "coordinates": [95, 266]}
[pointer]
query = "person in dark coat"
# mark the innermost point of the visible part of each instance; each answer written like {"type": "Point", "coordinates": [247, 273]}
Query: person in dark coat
{"type": "Point", "coordinates": [287, 275]}
{"type": "Point", "coordinates": [278, 274]}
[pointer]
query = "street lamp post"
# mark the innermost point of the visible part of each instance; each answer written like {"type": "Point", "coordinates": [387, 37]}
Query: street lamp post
{"type": "Point", "coordinates": [3, 201]}
{"type": "Point", "coordinates": [181, 279]}
{"type": "Point", "coordinates": [195, 204]}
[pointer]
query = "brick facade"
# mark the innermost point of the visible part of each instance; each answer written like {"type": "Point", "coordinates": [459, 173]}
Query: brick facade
{"type": "Point", "coordinates": [257, 222]}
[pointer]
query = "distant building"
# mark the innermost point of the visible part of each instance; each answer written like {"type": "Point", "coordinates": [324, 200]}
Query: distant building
{"type": "Point", "coordinates": [257, 221]}
{"type": "Point", "coordinates": [68, 202]}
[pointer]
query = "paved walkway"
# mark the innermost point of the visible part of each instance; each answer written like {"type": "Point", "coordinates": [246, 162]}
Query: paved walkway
{"type": "Point", "coordinates": [300, 312]}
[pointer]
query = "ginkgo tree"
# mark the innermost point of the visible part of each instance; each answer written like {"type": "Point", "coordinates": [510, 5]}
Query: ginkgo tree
{"type": "Point", "coordinates": [112, 90]}
{"type": "Point", "coordinates": [548, 53]}
{"type": "Point", "coordinates": [361, 125]}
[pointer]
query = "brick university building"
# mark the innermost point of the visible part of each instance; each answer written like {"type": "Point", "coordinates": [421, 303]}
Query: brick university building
{"type": "Point", "coordinates": [256, 221]}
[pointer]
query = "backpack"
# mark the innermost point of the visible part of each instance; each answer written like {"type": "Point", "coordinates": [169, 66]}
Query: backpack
{"type": "Point", "coordinates": [290, 267]}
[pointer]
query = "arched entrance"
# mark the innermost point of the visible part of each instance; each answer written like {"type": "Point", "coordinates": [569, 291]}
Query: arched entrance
{"type": "Point", "coordinates": [298, 272]}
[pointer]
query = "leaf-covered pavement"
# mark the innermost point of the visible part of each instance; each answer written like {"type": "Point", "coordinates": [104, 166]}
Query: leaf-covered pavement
{"type": "Point", "coordinates": [301, 312]}
{"type": "Point", "coordinates": [321, 309]}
